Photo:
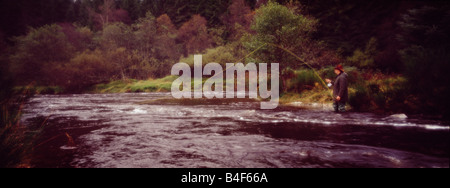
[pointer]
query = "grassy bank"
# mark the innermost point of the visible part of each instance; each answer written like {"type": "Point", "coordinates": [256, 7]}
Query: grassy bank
{"type": "Point", "coordinates": [39, 89]}
{"type": "Point", "coordinates": [134, 86]}
{"type": "Point", "coordinates": [368, 91]}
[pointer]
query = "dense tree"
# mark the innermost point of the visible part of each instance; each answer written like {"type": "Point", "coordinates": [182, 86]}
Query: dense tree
{"type": "Point", "coordinates": [79, 13]}
{"type": "Point", "coordinates": [145, 33]}
{"type": "Point", "coordinates": [276, 24]}
{"type": "Point", "coordinates": [132, 7]}
{"type": "Point", "coordinates": [17, 15]}
{"type": "Point", "coordinates": [182, 10]}
{"type": "Point", "coordinates": [116, 35]}
{"type": "Point", "coordinates": [38, 49]}
{"type": "Point", "coordinates": [155, 47]}
{"type": "Point", "coordinates": [239, 15]}
{"type": "Point", "coordinates": [81, 38]}
{"type": "Point", "coordinates": [108, 13]}
{"type": "Point", "coordinates": [364, 59]}
{"type": "Point", "coordinates": [165, 43]}
{"type": "Point", "coordinates": [194, 35]}
{"type": "Point", "coordinates": [348, 25]}
{"type": "Point", "coordinates": [84, 70]}
{"type": "Point", "coordinates": [280, 31]}
{"type": "Point", "coordinates": [427, 55]}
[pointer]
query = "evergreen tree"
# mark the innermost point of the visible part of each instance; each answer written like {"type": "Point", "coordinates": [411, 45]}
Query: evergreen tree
{"type": "Point", "coordinates": [427, 55]}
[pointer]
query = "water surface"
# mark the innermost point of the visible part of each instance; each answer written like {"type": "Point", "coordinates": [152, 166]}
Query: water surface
{"type": "Point", "coordinates": [118, 130]}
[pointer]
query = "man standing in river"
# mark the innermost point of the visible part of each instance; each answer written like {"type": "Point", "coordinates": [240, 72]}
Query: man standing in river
{"type": "Point", "coordinates": [340, 89]}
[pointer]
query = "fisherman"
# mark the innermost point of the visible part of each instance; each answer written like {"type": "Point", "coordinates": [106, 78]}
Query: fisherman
{"type": "Point", "coordinates": [340, 89]}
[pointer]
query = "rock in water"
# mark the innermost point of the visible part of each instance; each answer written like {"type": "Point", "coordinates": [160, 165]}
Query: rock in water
{"type": "Point", "coordinates": [399, 116]}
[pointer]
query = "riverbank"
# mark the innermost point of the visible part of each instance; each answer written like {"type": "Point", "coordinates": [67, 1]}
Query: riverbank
{"type": "Point", "coordinates": [134, 86]}
{"type": "Point", "coordinates": [368, 92]}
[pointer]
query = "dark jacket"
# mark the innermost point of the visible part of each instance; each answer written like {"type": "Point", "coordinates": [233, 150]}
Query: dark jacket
{"type": "Point", "coordinates": [341, 87]}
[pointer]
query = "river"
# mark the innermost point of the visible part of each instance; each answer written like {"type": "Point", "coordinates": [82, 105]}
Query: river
{"type": "Point", "coordinates": [118, 130]}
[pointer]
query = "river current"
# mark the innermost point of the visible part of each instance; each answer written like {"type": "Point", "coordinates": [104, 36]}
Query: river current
{"type": "Point", "coordinates": [123, 130]}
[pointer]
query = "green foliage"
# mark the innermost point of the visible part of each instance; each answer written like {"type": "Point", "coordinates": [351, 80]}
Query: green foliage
{"type": "Point", "coordinates": [16, 140]}
{"type": "Point", "coordinates": [276, 24]}
{"type": "Point", "coordinates": [123, 86]}
{"type": "Point", "coordinates": [145, 32]}
{"type": "Point", "coordinates": [304, 79]}
{"type": "Point", "coordinates": [426, 56]}
{"type": "Point", "coordinates": [321, 33]}
{"type": "Point", "coordinates": [85, 69]}
{"type": "Point", "coordinates": [381, 93]}
{"type": "Point", "coordinates": [86, 36]}
{"type": "Point", "coordinates": [360, 99]}
{"type": "Point", "coordinates": [218, 36]}
{"type": "Point", "coordinates": [132, 7]}
{"type": "Point", "coordinates": [116, 35]}
{"type": "Point", "coordinates": [365, 59]}
{"type": "Point", "coordinates": [37, 49]}
{"type": "Point", "coordinates": [182, 10]}
{"type": "Point", "coordinates": [221, 55]}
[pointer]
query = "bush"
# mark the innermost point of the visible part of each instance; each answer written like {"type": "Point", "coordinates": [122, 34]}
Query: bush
{"type": "Point", "coordinates": [84, 70]}
{"type": "Point", "coordinates": [304, 79]}
{"type": "Point", "coordinates": [365, 59]}
{"type": "Point", "coordinates": [36, 50]}
{"type": "Point", "coordinates": [277, 24]}
{"type": "Point", "coordinates": [359, 99]}
{"type": "Point", "coordinates": [221, 55]}
{"type": "Point", "coordinates": [387, 94]}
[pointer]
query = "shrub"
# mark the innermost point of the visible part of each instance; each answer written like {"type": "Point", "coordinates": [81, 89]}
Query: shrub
{"type": "Point", "coordinates": [359, 99]}
{"type": "Point", "coordinates": [365, 59]}
{"type": "Point", "coordinates": [194, 35]}
{"type": "Point", "coordinates": [304, 79]}
{"type": "Point", "coordinates": [84, 70]}
{"type": "Point", "coordinates": [221, 55]}
{"type": "Point", "coordinates": [36, 50]}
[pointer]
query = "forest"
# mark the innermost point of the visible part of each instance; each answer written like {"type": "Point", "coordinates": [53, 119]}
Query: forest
{"type": "Point", "coordinates": [396, 52]}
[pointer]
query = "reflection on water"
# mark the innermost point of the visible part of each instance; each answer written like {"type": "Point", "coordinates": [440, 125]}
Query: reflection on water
{"type": "Point", "coordinates": [117, 130]}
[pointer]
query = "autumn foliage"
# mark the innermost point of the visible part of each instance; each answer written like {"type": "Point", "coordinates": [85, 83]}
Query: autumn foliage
{"type": "Point", "coordinates": [239, 16]}
{"type": "Point", "coordinates": [194, 35]}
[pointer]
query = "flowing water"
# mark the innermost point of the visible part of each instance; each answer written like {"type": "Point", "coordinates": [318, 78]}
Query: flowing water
{"type": "Point", "coordinates": [118, 130]}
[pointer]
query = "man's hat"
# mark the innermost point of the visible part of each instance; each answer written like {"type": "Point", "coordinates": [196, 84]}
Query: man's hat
{"type": "Point", "coordinates": [340, 68]}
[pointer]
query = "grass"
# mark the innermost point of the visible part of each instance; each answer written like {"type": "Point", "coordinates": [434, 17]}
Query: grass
{"type": "Point", "coordinates": [40, 89]}
{"type": "Point", "coordinates": [135, 86]}
{"type": "Point", "coordinates": [16, 140]}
